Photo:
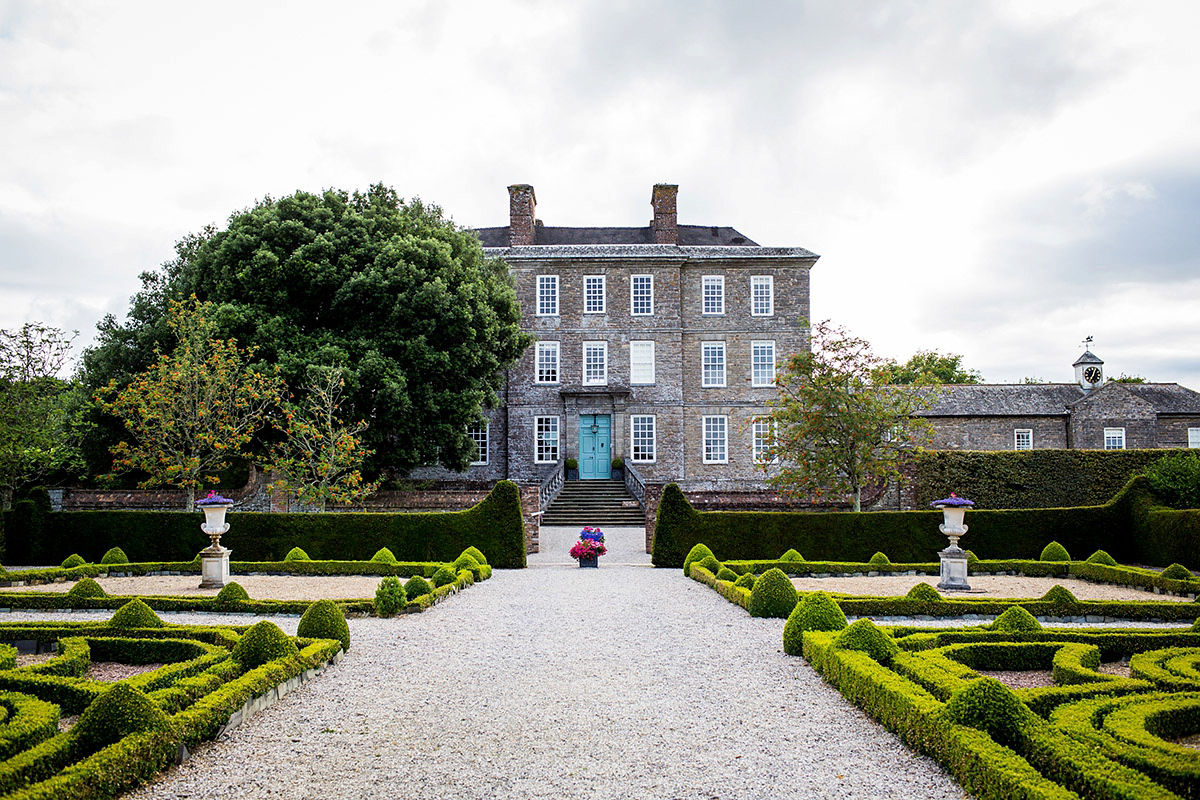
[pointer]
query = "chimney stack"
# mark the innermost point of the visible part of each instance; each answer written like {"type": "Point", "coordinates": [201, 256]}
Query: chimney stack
{"type": "Point", "coordinates": [666, 227]}
{"type": "Point", "coordinates": [522, 214]}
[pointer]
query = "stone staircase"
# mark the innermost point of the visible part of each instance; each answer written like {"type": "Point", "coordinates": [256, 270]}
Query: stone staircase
{"type": "Point", "coordinates": [598, 503]}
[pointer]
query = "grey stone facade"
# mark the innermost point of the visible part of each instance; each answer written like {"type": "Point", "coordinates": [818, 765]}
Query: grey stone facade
{"type": "Point", "coordinates": [1067, 415]}
{"type": "Point", "coordinates": [677, 259]}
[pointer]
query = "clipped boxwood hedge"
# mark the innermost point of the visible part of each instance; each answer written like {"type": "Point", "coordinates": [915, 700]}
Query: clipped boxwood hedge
{"type": "Point", "coordinates": [495, 526]}
{"type": "Point", "coordinates": [1128, 526]}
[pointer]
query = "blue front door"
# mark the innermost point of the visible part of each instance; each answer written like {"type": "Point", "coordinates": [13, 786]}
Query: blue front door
{"type": "Point", "coordinates": [595, 447]}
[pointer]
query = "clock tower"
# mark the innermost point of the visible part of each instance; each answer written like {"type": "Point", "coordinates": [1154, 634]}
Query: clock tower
{"type": "Point", "coordinates": [1089, 371]}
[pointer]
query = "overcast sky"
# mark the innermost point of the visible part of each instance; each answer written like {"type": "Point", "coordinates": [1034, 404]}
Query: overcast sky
{"type": "Point", "coordinates": [996, 179]}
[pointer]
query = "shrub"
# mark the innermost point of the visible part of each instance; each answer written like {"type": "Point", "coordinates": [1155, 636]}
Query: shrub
{"type": "Point", "coordinates": [230, 597]}
{"type": "Point", "coordinates": [464, 562]}
{"type": "Point", "coordinates": [475, 553]}
{"type": "Point", "coordinates": [923, 593]}
{"type": "Point", "coordinates": [618, 463]}
{"type": "Point", "coordinates": [1176, 479]}
{"type": "Point", "coordinates": [746, 581]}
{"type": "Point", "coordinates": [73, 560]}
{"type": "Point", "coordinates": [1054, 552]}
{"type": "Point", "coordinates": [791, 555]}
{"type": "Point", "coordinates": [117, 713]}
{"type": "Point", "coordinates": [444, 576]}
{"type": "Point", "coordinates": [384, 556]}
{"type": "Point", "coordinates": [1101, 557]}
{"type": "Point", "coordinates": [866, 636]}
{"type": "Point", "coordinates": [1015, 620]}
{"type": "Point", "coordinates": [115, 555]}
{"type": "Point", "coordinates": [263, 642]}
{"type": "Point", "coordinates": [814, 612]}
{"type": "Point", "coordinates": [1059, 595]}
{"type": "Point", "coordinates": [773, 595]}
{"type": "Point", "coordinates": [296, 554]}
{"type": "Point", "coordinates": [695, 554]}
{"type": "Point", "coordinates": [710, 563]}
{"type": "Point", "coordinates": [417, 586]}
{"type": "Point", "coordinates": [988, 705]}
{"type": "Point", "coordinates": [86, 587]}
{"type": "Point", "coordinates": [880, 560]}
{"type": "Point", "coordinates": [135, 614]}
{"type": "Point", "coordinates": [324, 620]}
{"type": "Point", "coordinates": [726, 574]}
{"type": "Point", "coordinates": [972, 559]}
{"type": "Point", "coordinates": [1177, 572]}
{"type": "Point", "coordinates": [390, 597]}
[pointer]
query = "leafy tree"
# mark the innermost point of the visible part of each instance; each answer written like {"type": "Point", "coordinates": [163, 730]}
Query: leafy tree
{"type": "Point", "coordinates": [1123, 378]}
{"type": "Point", "coordinates": [424, 323]}
{"type": "Point", "coordinates": [928, 366]}
{"type": "Point", "coordinates": [321, 457]}
{"type": "Point", "coordinates": [836, 427]}
{"type": "Point", "coordinates": [36, 406]}
{"type": "Point", "coordinates": [194, 409]}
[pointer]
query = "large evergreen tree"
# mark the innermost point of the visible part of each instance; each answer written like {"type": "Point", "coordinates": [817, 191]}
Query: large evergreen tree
{"type": "Point", "coordinates": [422, 325]}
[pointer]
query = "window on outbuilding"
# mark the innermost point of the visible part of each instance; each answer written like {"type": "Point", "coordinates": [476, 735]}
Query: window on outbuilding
{"type": "Point", "coordinates": [1114, 438]}
{"type": "Point", "coordinates": [1193, 437]}
{"type": "Point", "coordinates": [1023, 439]}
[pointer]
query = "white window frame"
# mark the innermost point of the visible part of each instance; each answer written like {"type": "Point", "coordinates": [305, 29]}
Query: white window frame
{"type": "Point", "coordinates": [589, 287]}
{"type": "Point", "coordinates": [764, 440]}
{"type": "Point", "coordinates": [757, 281]}
{"type": "Point", "coordinates": [547, 348]}
{"type": "Point", "coordinates": [1193, 437]}
{"type": "Point", "coordinates": [545, 440]}
{"type": "Point", "coordinates": [717, 307]}
{"type": "Point", "coordinates": [648, 298]}
{"type": "Point", "coordinates": [709, 379]}
{"type": "Point", "coordinates": [757, 378]}
{"type": "Point", "coordinates": [716, 425]}
{"type": "Point", "coordinates": [481, 432]}
{"type": "Point", "coordinates": [589, 378]}
{"type": "Point", "coordinates": [648, 453]}
{"type": "Point", "coordinates": [547, 295]}
{"type": "Point", "coordinates": [1017, 438]}
{"type": "Point", "coordinates": [1114, 438]}
{"type": "Point", "coordinates": [644, 360]}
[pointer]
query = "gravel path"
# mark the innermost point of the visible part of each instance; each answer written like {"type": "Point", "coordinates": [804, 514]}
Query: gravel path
{"type": "Point", "coordinates": [622, 682]}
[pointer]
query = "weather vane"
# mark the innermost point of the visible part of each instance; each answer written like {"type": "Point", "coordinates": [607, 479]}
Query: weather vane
{"type": "Point", "coordinates": [1087, 343]}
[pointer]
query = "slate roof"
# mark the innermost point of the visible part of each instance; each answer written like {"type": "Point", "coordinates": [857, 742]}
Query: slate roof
{"type": "Point", "coordinates": [689, 236]}
{"type": "Point", "coordinates": [1088, 357]}
{"type": "Point", "coordinates": [1050, 399]}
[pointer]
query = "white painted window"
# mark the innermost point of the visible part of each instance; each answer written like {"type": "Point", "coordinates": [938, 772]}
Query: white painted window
{"type": "Point", "coordinates": [716, 440]}
{"type": "Point", "coordinates": [763, 440]}
{"type": "Point", "coordinates": [1114, 438]}
{"type": "Point", "coordinates": [547, 362]}
{"type": "Point", "coordinates": [1022, 439]}
{"type": "Point", "coordinates": [762, 296]}
{"type": "Point", "coordinates": [641, 295]}
{"type": "Point", "coordinates": [762, 357]}
{"type": "Point", "coordinates": [714, 294]}
{"type": "Point", "coordinates": [479, 432]}
{"type": "Point", "coordinates": [1193, 437]}
{"type": "Point", "coordinates": [595, 363]}
{"type": "Point", "coordinates": [593, 294]}
{"type": "Point", "coordinates": [713, 361]}
{"type": "Point", "coordinates": [547, 296]}
{"type": "Point", "coordinates": [641, 363]}
{"type": "Point", "coordinates": [545, 439]}
{"type": "Point", "coordinates": [641, 428]}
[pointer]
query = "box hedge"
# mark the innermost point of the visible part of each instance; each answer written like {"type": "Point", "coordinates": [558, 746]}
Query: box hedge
{"type": "Point", "coordinates": [495, 526]}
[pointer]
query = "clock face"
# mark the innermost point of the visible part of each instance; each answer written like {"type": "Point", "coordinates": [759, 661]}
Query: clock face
{"type": "Point", "coordinates": [1092, 374]}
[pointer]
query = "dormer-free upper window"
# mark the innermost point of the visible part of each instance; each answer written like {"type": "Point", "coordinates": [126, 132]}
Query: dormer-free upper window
{"type": "Point", "coordinates": [714, 294]}
{"type": "Point", "coordinates": [762, 296]}
{"type": "Point", "coordinates": [641, 295]}
{"type": "Point", "coordinates": [593, 294]}
{"type": "Point", "coordinates": [547, 296]}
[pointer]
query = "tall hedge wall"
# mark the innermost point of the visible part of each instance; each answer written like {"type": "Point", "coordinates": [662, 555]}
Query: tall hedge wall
{"type": "Point", "coordinates": [1128, 526]}
{"type": "Point", "coordinates": [495, 525]}
{"type": "Point", "coordinates": [1029, 478]}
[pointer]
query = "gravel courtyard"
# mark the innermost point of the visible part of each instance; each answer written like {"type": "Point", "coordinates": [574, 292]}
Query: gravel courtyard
{"type": "Point", "coordinates": [621, 682]}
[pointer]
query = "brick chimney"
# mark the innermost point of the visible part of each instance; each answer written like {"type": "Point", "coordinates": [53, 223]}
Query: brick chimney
{"type": "Point", "coordinates": [666, 228]}
{"type": "Point", "coordinates": [522, 214]}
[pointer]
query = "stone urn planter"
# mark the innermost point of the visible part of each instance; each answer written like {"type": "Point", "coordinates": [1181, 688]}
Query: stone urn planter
{"type": "Point", "coordinates": [214, 559]}
{"type": "Point", "coordinates": [953, 559]}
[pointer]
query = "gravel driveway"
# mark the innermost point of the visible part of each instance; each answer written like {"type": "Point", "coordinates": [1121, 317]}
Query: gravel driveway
{"type": "Point", "coordinates": [621, 682]}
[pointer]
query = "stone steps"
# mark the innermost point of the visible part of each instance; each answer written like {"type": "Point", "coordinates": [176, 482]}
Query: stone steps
{"type": "Point", "coordinates": [596, 503]}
